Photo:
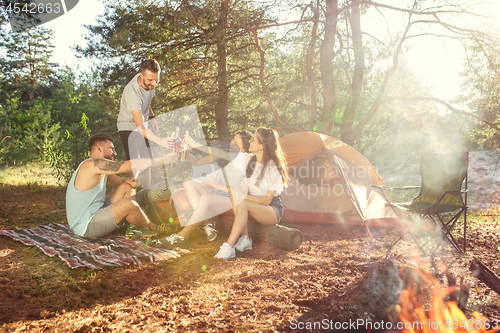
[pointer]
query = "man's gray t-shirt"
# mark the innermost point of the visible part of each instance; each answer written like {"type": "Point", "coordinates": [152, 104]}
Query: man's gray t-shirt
{"type": "Point", "coordinates": [134, 97]}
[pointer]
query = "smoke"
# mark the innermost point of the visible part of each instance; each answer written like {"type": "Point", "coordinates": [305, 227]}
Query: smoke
{"type": "Point", "coordinates": [398, 163]}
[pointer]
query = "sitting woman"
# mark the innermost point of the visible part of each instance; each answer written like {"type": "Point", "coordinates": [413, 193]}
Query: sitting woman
{"type": "Point", "coordinates": [207, 203]}
{"type": "Point", "coordinates": [266, 174]}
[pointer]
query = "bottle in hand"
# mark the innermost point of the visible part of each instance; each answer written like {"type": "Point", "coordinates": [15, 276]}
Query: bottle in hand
{"type": "Point", "coordinates": [185, 150]}
{"type": "Point", "coordinates": [173, 136]}
{"type": "Point", "coordinates": [178, 141]}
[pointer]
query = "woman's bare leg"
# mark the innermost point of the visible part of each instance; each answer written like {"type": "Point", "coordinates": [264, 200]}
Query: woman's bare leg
{"type": "Point", "coordinates": [264, 214]}
{"type": "Point", "coordinates": [216, 203]}
{"type": "Point", "coordinates": [194, 191]}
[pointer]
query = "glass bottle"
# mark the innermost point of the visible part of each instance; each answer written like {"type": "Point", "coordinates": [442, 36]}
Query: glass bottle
{"type": "Point", "coordinates": [178, 141]}
{"type": "Point", "coordinates": [172, 135]}
{"type": "Point", "coordinates": [185, 149]}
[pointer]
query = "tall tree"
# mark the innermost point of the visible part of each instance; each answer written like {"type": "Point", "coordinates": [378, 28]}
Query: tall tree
{"type": "Point", "coordinates": [27, 81]}
{"type": "Point", "coordinates": [41, 103]}
{"type": "Point", "coordinates": [26, 69]}
{"type": "Point", "coordinates": [481, 90]}
{"type": "Point", "coordinates": [250, 64]}
{"type": "Point", "coordinates": [327, 55]}
{"type": "Point", "coordinates": [204, 53]}
{"type": "Point", "coordinates": [222, 107]}
{"type": "Point", "coordinates": [345, 46]}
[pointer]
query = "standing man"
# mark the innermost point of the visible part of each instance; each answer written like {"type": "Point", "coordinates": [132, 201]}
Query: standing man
{"type": "Point", "coordinates": [135, 111]}
{"type": "Point", "coordinates": [90, 213]}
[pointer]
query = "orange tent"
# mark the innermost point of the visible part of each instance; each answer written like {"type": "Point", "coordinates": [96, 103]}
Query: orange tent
{"type": "Point", "coordinates": [330, 182]}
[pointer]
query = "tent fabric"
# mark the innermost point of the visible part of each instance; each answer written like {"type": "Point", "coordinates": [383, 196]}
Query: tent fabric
{"type": "Point", "coordinates": [330, 182]}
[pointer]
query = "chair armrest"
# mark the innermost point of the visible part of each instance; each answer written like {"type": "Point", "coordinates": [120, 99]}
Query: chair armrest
{"type": "Point", "coordinates": [390, 188]}
{"type": "Point", "coordinates": [389, 202]}
{"type": "Point", "coordinates": [406, 188]}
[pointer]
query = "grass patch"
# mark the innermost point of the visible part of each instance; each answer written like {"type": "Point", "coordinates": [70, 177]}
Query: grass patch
{"type": "Point", "coordinates": [482, 216]}
{"type": "Point", "coordinates": [31, 174]}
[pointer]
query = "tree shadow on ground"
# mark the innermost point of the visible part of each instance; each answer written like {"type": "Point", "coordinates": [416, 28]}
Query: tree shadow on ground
{"type": "Point", "coordinates": [35, 286]}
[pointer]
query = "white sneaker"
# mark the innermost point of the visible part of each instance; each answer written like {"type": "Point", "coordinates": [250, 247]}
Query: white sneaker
{"type": "Point", "coordinates": [244, 243]}
{"type": "Point", "coordinates": [226, 252]}
{"type": "Point", "coordinates": [210, 231]}
{"type": "Point", "coordinates": [173, 239]}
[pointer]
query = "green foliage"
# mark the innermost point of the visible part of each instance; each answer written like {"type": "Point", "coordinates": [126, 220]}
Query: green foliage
{"type": "Point", "coordinates": [46, 112]}
{"type": "Point", "coordinates": [90, 273]}
{"type": "Point", "coordinates": [487, 106]}
{"type": "Point", "coordinates": [64, 154]}
{"type": "Point", "coordinates": [26, 70]}
{"type": "Point", "coordinates": [184, 39]}
{"type": "Point", "coordinates": [43, 108]}
{"type": "Point", "coordinates": [481, 91]}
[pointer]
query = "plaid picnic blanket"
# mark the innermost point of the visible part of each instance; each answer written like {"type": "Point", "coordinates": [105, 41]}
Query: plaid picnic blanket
{"type": "Point", "coordinates": [57, 239]}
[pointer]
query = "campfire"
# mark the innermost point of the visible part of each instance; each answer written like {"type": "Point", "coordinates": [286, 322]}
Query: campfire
{"type": "Point", "coordinates": [443, 312]}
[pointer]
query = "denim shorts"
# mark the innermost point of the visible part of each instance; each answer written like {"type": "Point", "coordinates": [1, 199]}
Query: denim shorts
{"type": "Point", "coordinates": [277, 205]}
{"type": "Point", "coordinates": [219, 192]}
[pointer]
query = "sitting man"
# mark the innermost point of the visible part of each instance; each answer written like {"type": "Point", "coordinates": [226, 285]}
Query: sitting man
{"type": "Point", "coordinates": [90, 213]}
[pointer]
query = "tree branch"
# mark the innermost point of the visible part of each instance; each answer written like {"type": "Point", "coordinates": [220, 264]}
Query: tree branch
{"type": "Point", "coordinates": [442, 102]}
{"type": "Point", "coordinates": [379, 100]}
{"type": "Point", "coordinates": [262, 77]}
{"type": "Point", "coordinates": [423, 12]}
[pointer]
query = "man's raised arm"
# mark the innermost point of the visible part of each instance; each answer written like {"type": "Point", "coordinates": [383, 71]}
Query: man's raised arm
{"type": "Point", "coordinates": [211, 151]}
{"type": "Point", "coordinates": [146, 133]}
{"type": "Point", "coordinates": [108, 167]}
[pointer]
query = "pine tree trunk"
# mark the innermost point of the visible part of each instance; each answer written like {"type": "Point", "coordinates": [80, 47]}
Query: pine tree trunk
{"type": "Point", "coordinates": [326, 66]}
{"type": "Point", "coordinates": [222, 107]}
{"type": "Point", "coordinates": [357, 78]}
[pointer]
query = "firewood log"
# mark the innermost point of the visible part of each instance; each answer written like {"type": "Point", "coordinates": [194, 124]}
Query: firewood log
{"type": "Point", "coordinates": [480, 271]}
{"type": "Point", "coordinates": [278, 235]}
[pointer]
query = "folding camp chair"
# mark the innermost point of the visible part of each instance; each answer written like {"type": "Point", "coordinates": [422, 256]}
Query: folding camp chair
{"type": "Point", "coordinates": [442, 198]}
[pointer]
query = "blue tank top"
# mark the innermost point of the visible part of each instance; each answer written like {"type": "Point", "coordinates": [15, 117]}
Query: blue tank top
{"type": "Point", "coordinates": [82, 205]}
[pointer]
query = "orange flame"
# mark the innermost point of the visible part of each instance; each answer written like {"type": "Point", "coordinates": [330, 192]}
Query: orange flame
{"type": "Point", "coordinates": [442, 317]}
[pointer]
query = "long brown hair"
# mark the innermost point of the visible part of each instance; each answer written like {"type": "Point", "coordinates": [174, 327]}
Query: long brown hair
{"type": "Point", "coordinates": [245, 138]}
{"type": "Point", "coordinates": [272, 152]}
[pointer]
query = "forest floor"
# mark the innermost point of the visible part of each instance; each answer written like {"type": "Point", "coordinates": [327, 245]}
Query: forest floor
{"type": "Point", "coordinates": [338, 274]}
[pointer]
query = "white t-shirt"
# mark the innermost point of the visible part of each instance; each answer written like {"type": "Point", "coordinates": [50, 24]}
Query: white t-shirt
{"type": "Point", "coordinates": [271, 181]}
{"type": "Point", "coordinates": [235, 171]}
{"type": "Point", "coordinates": [134, 97]}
